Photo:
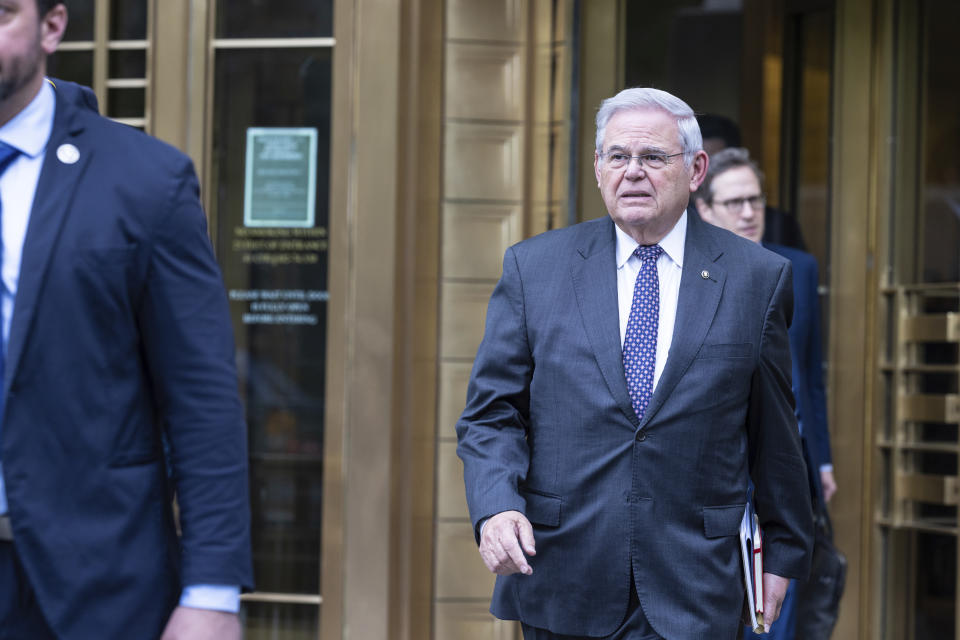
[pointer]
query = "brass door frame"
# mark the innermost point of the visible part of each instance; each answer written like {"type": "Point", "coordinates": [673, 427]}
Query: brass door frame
{"type": "Point", "coordinates": [168, 98]}
{"type": "Point", "coordinates": [385, 172]}
{"type": "Point", "coordinates": [863, 112]}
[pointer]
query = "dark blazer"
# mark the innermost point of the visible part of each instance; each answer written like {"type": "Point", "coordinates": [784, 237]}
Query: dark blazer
{"type": "Point", "coordinates": [781, 228]}
{"type": "Point", "coordinates": [121, 333]}
{"type": "Point", "coordinates": [805, 351]}
{"type": "Point", "coordinates": [549, 430]}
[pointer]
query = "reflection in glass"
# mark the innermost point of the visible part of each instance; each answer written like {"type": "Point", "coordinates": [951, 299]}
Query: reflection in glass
{"type": "Point", "coordinates": [667, 43]}
{"type": "Point", "coordinates": [128, 63]}
{"type": "Point", "coordinates": [936, 586]}
{"type": "Point", "coordinates": [812, 206]}
{"type": "Point", "coordinates": [79, 21]}
{"type": "Point", "coordinates": [937, 257]}
{"type": "Point", "coordinates": [941, 188]}
{"type": "Point", "coordinates": [128, 20]}
{"type": "Point", "coordinates": [75, 66]}
{"type": "Point", "coordinates": [269, 621]}
{"type": "Point", "coordinates": [126, 103]}
{"type": "Point", "coordinates": [812, 143]}
{"type": "Point", "coordinates": [275, 19]}
{"type": "Point", "coordinates": [277, 283]}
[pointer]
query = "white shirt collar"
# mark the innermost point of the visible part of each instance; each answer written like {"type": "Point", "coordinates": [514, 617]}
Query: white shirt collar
{"type": "Point", "coordinates": [672, 243]}
{"type": "Point", "coordinates": [30, 129]}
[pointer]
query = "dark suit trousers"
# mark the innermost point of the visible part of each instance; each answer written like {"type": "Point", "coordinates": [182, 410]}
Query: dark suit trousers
{"type": "Point", "coordinates": [20, 617]}
{"type": "Point", "coordinates": [634, 627]}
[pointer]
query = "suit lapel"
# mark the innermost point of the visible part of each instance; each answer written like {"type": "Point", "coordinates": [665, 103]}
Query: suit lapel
{"type": "Point", "coordinates": [696, 307]}
{"type": "Point", "coordinates": [55, 191]}
{"type": "Point", "coordinates": [594, 273]}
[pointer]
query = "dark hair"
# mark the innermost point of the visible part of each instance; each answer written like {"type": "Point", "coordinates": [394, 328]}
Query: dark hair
{"type": "Point", "coordinates": [43, 6]}
{"type": "Point", "coordinates": [717, 126]}
{"type": "Point", "coordinates": [722, 161]}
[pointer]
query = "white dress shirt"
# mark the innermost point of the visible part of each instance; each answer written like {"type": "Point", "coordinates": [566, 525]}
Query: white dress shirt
{"type": "Point", "coordinates": [669, 270]}
{"type": "Point", "coordinates": [29, 131]}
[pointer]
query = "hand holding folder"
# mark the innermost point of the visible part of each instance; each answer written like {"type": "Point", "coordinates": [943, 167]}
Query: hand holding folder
{"type": "Point", "coordinates": [751, 552]}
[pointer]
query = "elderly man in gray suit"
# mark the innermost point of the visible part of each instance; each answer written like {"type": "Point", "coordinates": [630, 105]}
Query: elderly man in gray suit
{"type": "Point", "coordinates": [633, 377]}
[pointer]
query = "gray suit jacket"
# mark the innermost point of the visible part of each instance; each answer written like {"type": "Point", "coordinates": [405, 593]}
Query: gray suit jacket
{"type": "Point", "coordinates": [549, 430]}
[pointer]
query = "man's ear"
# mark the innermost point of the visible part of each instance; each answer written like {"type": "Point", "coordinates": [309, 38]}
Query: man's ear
{"type": "Point", "coordinates": [596, 166]}
{"type": "Point", "coordinates": [52, 27]}
{"type": "Point", "coordinates": [699, 169]}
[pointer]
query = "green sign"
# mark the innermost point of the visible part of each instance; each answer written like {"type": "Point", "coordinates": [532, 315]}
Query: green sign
{"type": "Point", "coordinates": [280, 188]}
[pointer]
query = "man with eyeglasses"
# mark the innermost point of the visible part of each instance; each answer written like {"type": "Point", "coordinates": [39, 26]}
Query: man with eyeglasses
{"type": "Point", "coordinates": [634, 374]}
{"type": "Point", "coordinates": [720, 132]}
{"type": "Point", "coordinates": [731, 197]}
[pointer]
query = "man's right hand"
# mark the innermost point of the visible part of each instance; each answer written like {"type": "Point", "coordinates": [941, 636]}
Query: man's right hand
{"type": "Point", "coordinates": [187, 623]}
{"type": "Point", "coordinates": [501, 540]}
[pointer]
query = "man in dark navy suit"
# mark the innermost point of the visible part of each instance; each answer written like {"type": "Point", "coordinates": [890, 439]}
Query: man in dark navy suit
{"type": "Point", "coordinates": [731, 197]}
{"type": "Point", "coordinates": [634, 373]}
{"type": "Point", "coordinates": [118, 366]}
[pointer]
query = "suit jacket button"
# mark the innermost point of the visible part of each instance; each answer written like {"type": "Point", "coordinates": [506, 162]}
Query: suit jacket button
{"type": "Point", "coordinates": [641, 436]}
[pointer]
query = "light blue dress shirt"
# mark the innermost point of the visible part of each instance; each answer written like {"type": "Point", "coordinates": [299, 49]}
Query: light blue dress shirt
{"type": "Point", "coordinates": [29, 131]}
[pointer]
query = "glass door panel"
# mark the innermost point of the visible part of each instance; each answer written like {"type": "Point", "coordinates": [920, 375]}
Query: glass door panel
{"type": "Point", "coordinates": [73, 60]}
{"type": "Point", "coordinates": [811, 158]}
{"type": "Point", "coordinates": [919, 440]}
{"type": "Point", "coordinates": [274, 19]}
{"type": "Point", "coordinates": [106, 47]}
{"type": "Point", "coordinates": [939, 259]}
{"type": "Point", "coordinates": [80, 18]}
{"type": "Point", "coordinates": [269, 163]}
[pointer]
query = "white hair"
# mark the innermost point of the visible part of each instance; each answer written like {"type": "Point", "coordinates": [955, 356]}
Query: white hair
{"type": "Point", "coordinates": [647, 98]}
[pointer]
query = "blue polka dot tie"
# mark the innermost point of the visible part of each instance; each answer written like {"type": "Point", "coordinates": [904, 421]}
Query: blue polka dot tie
{"type": "Point", "coordinates": [640, 341]}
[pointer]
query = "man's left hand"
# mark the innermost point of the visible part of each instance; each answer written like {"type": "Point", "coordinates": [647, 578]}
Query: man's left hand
{"type": "Point", "coordinates": [774, 590]}
{"type": "Point", "coordinates": [828, 483]}
{"type": "Point", "coordinates": [187, 623]}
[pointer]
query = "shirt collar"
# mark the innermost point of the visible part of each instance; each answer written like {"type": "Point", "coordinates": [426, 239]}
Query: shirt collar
{"type": "Point", "coordinates": [672, 243]}
{"type": "Point", "coordinates": [30, 129]}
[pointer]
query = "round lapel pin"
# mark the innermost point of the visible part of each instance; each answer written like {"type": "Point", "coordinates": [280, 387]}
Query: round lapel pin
{"type": "Point", "coordinates": [705, 274]}
{"type": "Point", "coordinates": [68, 154]}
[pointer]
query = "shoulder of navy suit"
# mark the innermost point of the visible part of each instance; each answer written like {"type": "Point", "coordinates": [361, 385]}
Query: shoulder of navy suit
{"type": "Point", "coordinates": [77, 113]}
{"type": "Point", "coordinates": [799, 258]}
{"type": "Point", "coordinates": [75, 94]}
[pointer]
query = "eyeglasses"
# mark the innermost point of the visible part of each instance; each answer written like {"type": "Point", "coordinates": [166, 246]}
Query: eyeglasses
{"type": "Point", "coordinates": [736, 204]}
{"type": "Point", "coordinates": [619, 159]}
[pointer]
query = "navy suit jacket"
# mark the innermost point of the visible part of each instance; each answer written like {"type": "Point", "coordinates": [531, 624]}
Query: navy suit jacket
{"type": "Point", "coordinates": [805, 350]}
{"type": "Point", "coordinates": [121, 339]}
{"type": "Point", "coordinates": [549, 431]}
